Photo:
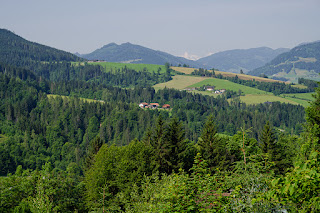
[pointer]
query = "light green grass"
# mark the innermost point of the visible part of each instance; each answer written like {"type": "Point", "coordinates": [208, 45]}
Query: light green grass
{"type": "Point", "coordinates": [83, 99]}
{"type": "Point", "coordinates": [179, 82]}
{"type": "Point", "coordinates": [259, 98]}
{"type": "Point", "coordinates": [225, 84]}
{"type": "Point", "coordinates": [300, 86]}
{"type": "Point", "coordinates": [301, 98]}
{"type": "Point", "coordinates": [112, 66]}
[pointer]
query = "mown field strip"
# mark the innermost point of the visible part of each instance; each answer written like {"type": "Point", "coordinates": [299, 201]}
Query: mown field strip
{"type": "Point", "coordinates": [179, 82]}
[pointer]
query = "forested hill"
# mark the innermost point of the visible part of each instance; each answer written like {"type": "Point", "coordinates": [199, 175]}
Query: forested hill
{"type": "Point", "coordinates": [137, 54]}
{"type": "Point", "coordinates": [15, 50]}
{"type": "Point", "coordinates": [303, 57]}
{"type": "Point", "coordinates": [245, 59]}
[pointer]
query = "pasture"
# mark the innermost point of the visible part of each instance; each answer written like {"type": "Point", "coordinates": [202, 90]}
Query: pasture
{"type": "Point", "coordinates": [112, 66]}
{"type": "Point", "coordinates": [83, 99]}
{"type": "Point", "coordinates": [188, 71]}
{"type": "Point", "coordinates": [179, 82]}
{"type": "Point", "coordinates": [225, 84]}
{"type": "Point", "coordinates": [259, 98]}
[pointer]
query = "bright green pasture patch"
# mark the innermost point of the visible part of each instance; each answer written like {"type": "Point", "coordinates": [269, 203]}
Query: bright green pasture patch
{"type": "Point", "coordinates": [112, 66]}
{"type": "Point", "coordinates": [179, 82]}
{"type": "Point", "coordinates": [300, 86]}
{"type": "Point", "coordinates": [260, 98]}
{"type": "Point", "coordinates": [225, 84]}
{"type": "Point", "coordinates": [301, 98]}
{"type": "Point", "coordinates": [83, 99]}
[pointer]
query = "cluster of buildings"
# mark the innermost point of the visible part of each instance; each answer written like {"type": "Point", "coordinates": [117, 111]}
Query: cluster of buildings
{"type": "Point", "coordinates": [145, 105]}
{"type": "Point", "coordinates": [206, 88]}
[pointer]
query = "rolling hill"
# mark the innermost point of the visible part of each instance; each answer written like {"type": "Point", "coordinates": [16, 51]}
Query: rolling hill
{"type": "Point", "coordinates": [245, 59]}
{"type": "Point", "coordinates": [131, 53]}
{"type": "Point", "coordinates": [15, 50]}
{"type": "Point", "coordinates": [301, 61]}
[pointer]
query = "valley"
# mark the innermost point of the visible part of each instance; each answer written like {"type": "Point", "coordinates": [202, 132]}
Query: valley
{"type": "Point", "coordinates": [89, 135]}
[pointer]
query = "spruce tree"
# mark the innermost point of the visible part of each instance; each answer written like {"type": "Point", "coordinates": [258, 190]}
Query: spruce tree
{"type": "Point", "coordinates": [176, 144]}
{"type": "Point", "coordinates": [268, 140]}
{"type": "Point", "coordinates": [211, 147]}
{"type": "Point", "coordinates": [160, 148]}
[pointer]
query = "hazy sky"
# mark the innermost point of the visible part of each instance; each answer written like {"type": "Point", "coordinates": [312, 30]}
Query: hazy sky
{"type": "Point", "coordinates": [175, 26]}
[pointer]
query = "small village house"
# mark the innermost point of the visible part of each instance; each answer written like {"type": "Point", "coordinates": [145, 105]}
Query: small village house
{"type": "Point", "coordinates": [153, 105]}
{"type": "Point", "coordinates": [209, 88]}
{"type": "Point", "coordinates": [166, 106]}
{"type": "Point", "coordinates": [143, 105]}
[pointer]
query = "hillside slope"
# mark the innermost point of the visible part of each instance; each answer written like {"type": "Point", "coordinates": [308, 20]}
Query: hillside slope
{"type": "Point", "coordinates": [131, 53]}
{"type": "Point", "coordinates": [16, 50]}
{"type": "Point", "coordinates": [245, 59]}
{"type": "Point", "coordinates": [303, 61]}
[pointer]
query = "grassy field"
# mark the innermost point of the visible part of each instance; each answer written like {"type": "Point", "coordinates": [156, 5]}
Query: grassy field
{"type": "Point", "coordinates": [257, 99]}
{"type": "Point", "coordinates": [83, 99]}
{"type": "Point", "coordinates": [252, 95]}
{"type": "Point", "coordinates": [301, 98]}
{"type": "Point", "coordinates": [224, 84]}
{"type": "Point", "coordinates": [188, 71]}
{"type": "Point", "coordinates": [295, 73]}
{"type": "Point", "coordinates": [108, 66]}
{"type": "Point", "coordinates": [179, 82]}
{"type": "Point", "coordinates": [300, 86]}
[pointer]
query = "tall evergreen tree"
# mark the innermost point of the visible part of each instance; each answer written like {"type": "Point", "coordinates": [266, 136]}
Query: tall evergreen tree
{"type": "Point", "coordinates": [160, 148]}
{"type": "Point", "coordinates": [313, 120]}
{"type": "Point", "coordinates": [268, 140]}
{"type": "Point", "coordinates": [176, 144]}
{"type": "Point", "coordinates": [211, 147]}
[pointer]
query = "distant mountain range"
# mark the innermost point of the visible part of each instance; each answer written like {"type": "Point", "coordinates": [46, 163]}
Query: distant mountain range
{"type": "Point", "coordinates": [131, 53]}
{"type": "Point", "coordinates": [16, 50]}
{"type": "Point", "coordinates": [301, 61]}
{"type": "Point", "coordinates": [241, 59]}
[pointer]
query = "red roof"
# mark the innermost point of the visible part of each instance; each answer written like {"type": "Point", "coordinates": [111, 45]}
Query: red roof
{"type": "Point", "coordinates": [144, 103]}
{"type": "Point", "coordinates": [166, 106]}
{"type": "Point", "coordinates": [154, 104]}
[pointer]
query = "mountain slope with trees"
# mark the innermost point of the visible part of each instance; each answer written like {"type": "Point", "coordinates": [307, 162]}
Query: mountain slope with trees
{"type": "Point", "coordinates": [241, 59]}
{"type": "Point", "coordinates": [15, 50]}
{"type": "Point", "coordinates": [131, 53]}
{"type": "Point", "coordinates": [303, 57]}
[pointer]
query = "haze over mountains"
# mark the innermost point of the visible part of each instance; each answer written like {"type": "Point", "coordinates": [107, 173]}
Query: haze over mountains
{"type": "Point", "coordinates": [241, 59]}
{"type": "Point", "coordinates": [131, 53]}
{"type": "Point", "coordinates": [230, 61]}
{"type": "Point", "coordinates": [302, 61]}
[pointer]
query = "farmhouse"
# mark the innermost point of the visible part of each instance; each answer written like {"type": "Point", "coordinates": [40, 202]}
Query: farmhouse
{"type": "Point", "coordinates": [143, 105]}
{"type": "Point", "coordinates": [209, 88]}
{"type": "Point", "coordinates": [153, 105]}
{"type": "Point", "coordinates": [166, 106]}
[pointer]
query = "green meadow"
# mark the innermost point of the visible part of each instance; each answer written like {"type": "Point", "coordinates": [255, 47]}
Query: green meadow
{"type": "Point", "coordinates": [83, 99]}
{"type": "Point", "coordinates": [112, 66]}
{"type": "Point", "coordinates": [225, 84]}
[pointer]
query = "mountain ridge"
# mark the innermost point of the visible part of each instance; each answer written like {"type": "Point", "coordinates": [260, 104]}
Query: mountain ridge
{"type": "Point", "coordinates": [302, 60]}
{"type": "Point", "coordinates": [241, 59]}
{"type": "Point", "coordinates": [133, 53]}
{"type": "Point", "coordinates": [16, 50]}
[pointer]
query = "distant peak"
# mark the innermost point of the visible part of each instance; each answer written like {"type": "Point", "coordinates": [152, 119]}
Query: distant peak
{"type": "Point", "coordinates": [110, 45]}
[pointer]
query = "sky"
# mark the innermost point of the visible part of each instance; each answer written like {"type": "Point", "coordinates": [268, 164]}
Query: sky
{"type": "Point", "coordinates": [180, 27]}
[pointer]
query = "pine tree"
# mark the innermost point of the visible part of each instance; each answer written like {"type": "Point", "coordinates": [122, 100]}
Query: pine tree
{"type": "Point", "coordinates": [268, 140]}
{"type": "Point", "coordinates": [313, 120]}
{"type": "Point", "coordinates": [157, 141]}
{"type": "Point", "coordinates": [211, 147]}
{"type": "Point", "coordinates": [176, 145]}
